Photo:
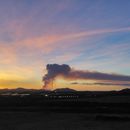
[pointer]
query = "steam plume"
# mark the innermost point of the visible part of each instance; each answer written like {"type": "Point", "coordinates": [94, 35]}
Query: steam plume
{"type": "Point", "coordinates": [54, 70]}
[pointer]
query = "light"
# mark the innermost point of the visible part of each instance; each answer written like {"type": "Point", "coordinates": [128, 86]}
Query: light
{"type": "Point", "coordinates": [46, 95]}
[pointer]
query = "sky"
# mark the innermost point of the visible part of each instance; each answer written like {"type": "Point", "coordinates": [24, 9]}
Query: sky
{"type": "Point", "coordinates": [91, 35]}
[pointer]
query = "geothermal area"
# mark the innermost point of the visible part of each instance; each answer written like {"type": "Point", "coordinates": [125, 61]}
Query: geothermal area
{"type": "Point", "coordinates": [65, 108]}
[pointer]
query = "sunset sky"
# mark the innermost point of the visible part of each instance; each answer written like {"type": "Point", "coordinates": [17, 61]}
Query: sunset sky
{"type": "Point", "coordinates": [91, 35]}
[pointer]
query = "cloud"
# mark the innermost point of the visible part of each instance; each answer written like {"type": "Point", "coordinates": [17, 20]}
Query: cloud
{"type": "Point", "coordinates": [102, 84]}
{"type": "Point", "coordinates": [55, 70]}
{"type": "Point", "coordinates": [66, 57]}
{"type": "Point", "coordinates": [93, 33]}
{"type": "Point", "coordinates": [51, 41]}
{"type": "Point", "coordinates": [77, 74]}
{"type": "Point", "coordinates": [7, 54]}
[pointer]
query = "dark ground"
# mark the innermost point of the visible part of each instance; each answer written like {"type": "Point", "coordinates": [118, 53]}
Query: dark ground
{"type": "Point", "coordinates": [91, 111]}
{"type": "Point", "coordinates": [61, 121]}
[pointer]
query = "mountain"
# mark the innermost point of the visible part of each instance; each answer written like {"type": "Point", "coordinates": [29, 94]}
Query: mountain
{"type": "Point", "coordinates": [64, 90]}
{"type": "Point", "coordinates": [124, 91]}
{"type": "Point", "coordinates": [17, 90]}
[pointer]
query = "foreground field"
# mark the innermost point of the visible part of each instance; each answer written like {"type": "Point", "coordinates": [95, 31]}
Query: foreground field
{"type": "Point", "coordinates": [62, 121]}
{"type": "Point", "coordinates": [65, 111]}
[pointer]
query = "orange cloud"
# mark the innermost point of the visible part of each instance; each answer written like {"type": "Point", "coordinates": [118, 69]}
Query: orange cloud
{"type": "Point", "coordinates": [7, 54]}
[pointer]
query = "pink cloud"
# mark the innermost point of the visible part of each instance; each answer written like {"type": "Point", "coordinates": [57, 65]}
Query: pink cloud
{"type": "Point", "coordinates": [49, 42]}
{"type": "Point", "coordinates": [7, 54]}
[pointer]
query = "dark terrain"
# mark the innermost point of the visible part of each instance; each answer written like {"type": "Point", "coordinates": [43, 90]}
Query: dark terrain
{"type": "Point", "coordinates": [64, 109]}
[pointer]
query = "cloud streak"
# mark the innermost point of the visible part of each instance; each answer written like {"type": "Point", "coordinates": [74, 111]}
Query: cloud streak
{"type": "Point", "coordinates": [56, 38]}
{"type": "Point", "coordinates": [102, 84]}
{"type": "Point", "coordinates": [94, 32]}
